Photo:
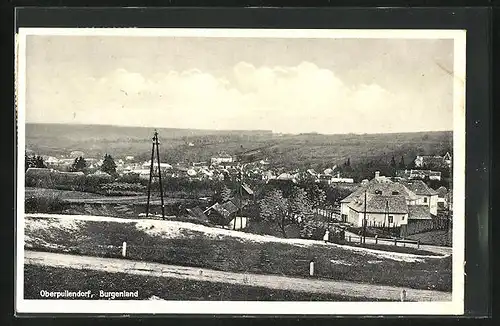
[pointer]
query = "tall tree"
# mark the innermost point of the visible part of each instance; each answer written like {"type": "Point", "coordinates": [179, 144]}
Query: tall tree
{"type": "Point", "coordinates": [393, 163]}
{"type": "Point", "coordinates": [299, 204]}
{"type": "Point", "coordinates": [402, 164]}
{"type": "Point", "coordinates": [274, 209]}
{"type": "Point", "coordinates": [108, 165]}
{"type": "Point", "coordinates": [79, 165]}
{"type": "Point", "coordinates": [317, 196]}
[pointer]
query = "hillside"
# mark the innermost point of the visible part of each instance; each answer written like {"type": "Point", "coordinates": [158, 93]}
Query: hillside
{"type": "Point", "coordinates": [315, 150]}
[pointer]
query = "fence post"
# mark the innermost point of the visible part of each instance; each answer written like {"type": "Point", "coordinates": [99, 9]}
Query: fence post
{"type": "Point", "coordinates": [124, 249]}
{"type": "Point", "coordinates": [418, 244]}
{"type": "Point", "coordinates": [376, 239]}
{"type": "Point", "coordinates": [396, 242]}
{"type": "Point", "coordinates": [311, 268]}
{"type": "Point", "coordinates": [349, 238]}
{"type": "Point", "coordinates": [403, 295]}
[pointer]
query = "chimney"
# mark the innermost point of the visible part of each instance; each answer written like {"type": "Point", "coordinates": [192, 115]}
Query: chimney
{"type": "Point", "coordinates": [377, 174]}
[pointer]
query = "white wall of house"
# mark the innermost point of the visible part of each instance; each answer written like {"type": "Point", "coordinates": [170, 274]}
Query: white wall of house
{"type": "Point", "coordinates": [344, 210]}
{"type": "Point", "coordinates": [376, 219]}
{"type": "Point", "coordinates": [353, 217]}
{"type": "Point", "coordinates": [390, 220]}
{"type": "Point", "coordinates": [433, 204]}
{"type": "Point", "coordinates": [429, 201]}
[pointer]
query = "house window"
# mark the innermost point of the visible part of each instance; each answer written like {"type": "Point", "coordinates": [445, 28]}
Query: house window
{"type": "Point", "coordinates": [391, 219]}
{"type": "Point", "coordinates": [403, 218]}
{"type": "Point", "coordinates": [425, 199]}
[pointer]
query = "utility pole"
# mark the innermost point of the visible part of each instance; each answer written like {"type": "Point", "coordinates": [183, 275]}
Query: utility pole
{"type": "Point", "coordinates": [387, 214]}
{"type": "Point", "coordinates": [364, 222]}
{"type": "Point", "coordinates": [240, 195]}
{"type": "Point", "coordinates": [156, 144]}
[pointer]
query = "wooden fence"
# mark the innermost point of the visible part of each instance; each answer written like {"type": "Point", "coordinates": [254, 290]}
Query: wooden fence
{"type": "Point", "coordinates": [419, 226]}
{"type": "Point", "coordinates": [384, 241]}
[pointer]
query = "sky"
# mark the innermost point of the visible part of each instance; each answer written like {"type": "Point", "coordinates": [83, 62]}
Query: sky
{"type": "Point", "coordinates": [287, 85]}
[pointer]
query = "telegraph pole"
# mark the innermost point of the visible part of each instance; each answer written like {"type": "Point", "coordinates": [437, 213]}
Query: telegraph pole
{"type": "Point", "coordinates": [156, 144]}
{"type": "Point", "coordinates": [241, 197]}
{"type": "Point", "coordinates": [364, 222]}
{"type": "Point", "coordinates": [387, 215]}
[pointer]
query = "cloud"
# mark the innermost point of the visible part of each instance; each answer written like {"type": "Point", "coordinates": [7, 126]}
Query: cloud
{"type": "Point", "coordinates": [302, 98]}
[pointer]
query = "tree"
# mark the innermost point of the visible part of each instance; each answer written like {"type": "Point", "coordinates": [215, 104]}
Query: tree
{"type": "Point", "coordinates": [274, 209]}
{"type": "Point", "coordinates": [34, 162]}
{"type": "Point", "coordinates": [393, 163]}
{"type": "Point", "coordinates": [393, 167]}
{"type": "Point", "coordinates": [79, 165]}
{"type": "Point", "coordinates": [301, 210]}
{"type": "Point", "coordinates": [317, 196]}
{"type": "Point", "coordinates": [402, 164]}
{"type": "Point", "coordinates": [299, 204]}
{"type": "Point", "coordinates": [225, 194]}
{"type": "Point", "coordinates": [39, 163]}
{"type": "Point", "coordinates": [28, 162]}
{"type": "Point", "coordinates": [108, 165]}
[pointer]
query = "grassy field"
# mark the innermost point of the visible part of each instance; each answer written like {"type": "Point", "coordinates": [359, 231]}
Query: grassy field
{"type": "Point", "coordinates": [41, 200]}
{"type": "Point", "coordinates": [55, 279]}
{"type": "Point", "coordinates": [81, 197]}
{"type": "Point", "coordinates": [193, 245]}
{"type": "Point", "coordinates": [437, 237]}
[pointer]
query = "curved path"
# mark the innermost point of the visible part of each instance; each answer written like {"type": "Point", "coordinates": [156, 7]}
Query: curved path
{"type": "Point", "coordinates": [310, 285]}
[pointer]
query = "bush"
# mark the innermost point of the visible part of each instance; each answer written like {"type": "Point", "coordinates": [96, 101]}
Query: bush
{"type": "Point", "coordinates": [50, 203]}
{"type": "Point", "coordinates": [122, 188]}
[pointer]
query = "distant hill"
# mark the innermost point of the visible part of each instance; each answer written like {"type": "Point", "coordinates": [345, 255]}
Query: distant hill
{"type": "Point", "coordinates": [315, 150]}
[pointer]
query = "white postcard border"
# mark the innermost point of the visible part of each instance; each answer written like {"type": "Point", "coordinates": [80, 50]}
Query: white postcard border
{"type": "Point", "coordinates": [455, 307]}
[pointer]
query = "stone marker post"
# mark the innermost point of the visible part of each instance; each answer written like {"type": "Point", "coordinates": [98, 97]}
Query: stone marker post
{"type": "Point", "coordinates": [124, 249]}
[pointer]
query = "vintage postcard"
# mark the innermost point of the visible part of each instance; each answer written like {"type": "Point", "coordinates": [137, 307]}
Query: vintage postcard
{"type": "Point", "coordinates": [240, 171]}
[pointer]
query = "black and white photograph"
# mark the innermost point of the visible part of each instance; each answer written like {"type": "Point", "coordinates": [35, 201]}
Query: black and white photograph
{"type": "Point", "coordinates": [252, 171]}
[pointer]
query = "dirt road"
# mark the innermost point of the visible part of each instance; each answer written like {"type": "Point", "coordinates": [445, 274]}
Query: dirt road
{"type": "Point", "coordinates": [311, 285]}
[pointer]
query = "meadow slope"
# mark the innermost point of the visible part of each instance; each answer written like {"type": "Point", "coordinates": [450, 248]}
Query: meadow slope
{"type": "Point", "coordinates": [186, 244]}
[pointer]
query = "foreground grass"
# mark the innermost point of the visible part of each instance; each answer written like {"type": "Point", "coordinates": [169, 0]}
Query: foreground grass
{"type": "Point", "coordinates": [437, 238]}
{"type": "Point", "coordinates": [38, 278]}
{"type": "Point", "coordinates": [193, 248]}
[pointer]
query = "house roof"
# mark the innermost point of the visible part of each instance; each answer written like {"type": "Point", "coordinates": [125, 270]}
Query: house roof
{"type": "Point", "coordinates": [197, 213]}
{"type": "Point", "coordinates": [230, 207]}
{"type": "Point", "coordinates": [420, 188]}
{"type": "Point", "coordinates": [395, 204]}
{"type": "Point", "coordinates": [247, 189]}
{"type": "Point", "coordinates": [385, 188]}
{"type": "Point", "coordinates": [285, 176]}
{"type": "Point", "coordinates": [419, 212]}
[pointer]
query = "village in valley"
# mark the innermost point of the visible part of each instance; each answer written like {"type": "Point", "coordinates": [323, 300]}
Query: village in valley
{"type": "Point", "coordinates": [245, 197]}
{"type": "Point", "coordinates": [402, 202]}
